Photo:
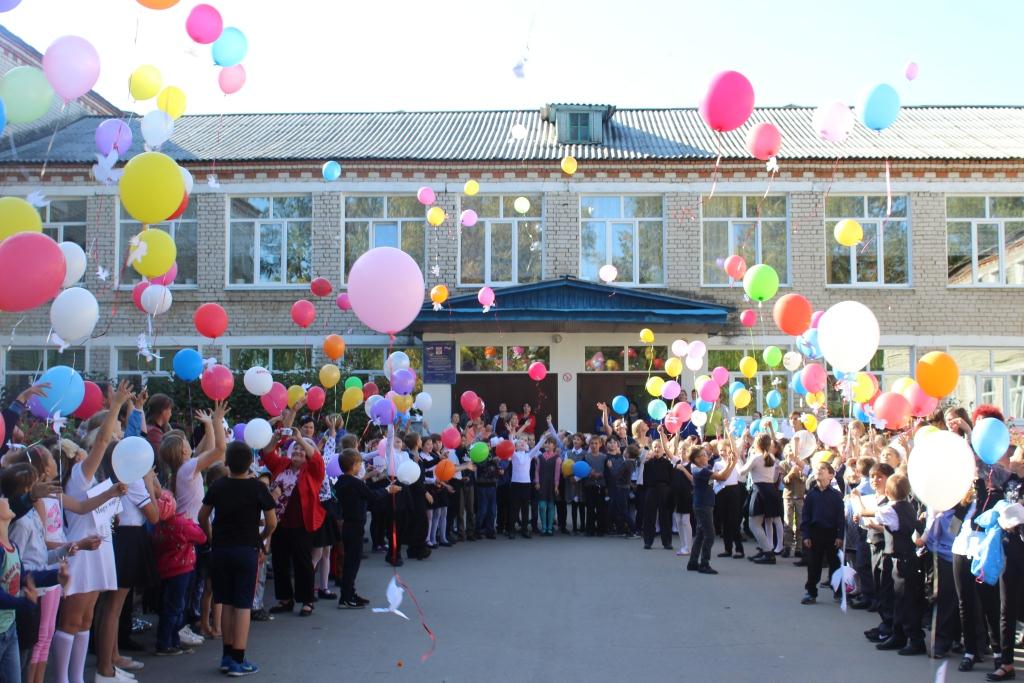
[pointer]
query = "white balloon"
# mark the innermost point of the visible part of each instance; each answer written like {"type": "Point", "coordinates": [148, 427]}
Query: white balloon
{"type": "Point", "coordinates": [156, 299]}
{"type": "Point", "coordinates": [423, 402]}
{"type": "Point", "coordinates": [187, 177]}
{"type": "Point", "coordinates": [941, 469]}
{"type": "Point", "coordinates": [694, 364]}
{"type": "Point", "coordinates": [258, 433]}
{"type": "Point", "coordinates": [368, 404]}
{"type": "Point", "coordinates": [518, 132]}
{"type": "Point", "coordinates": [258, 381]}
{"type": "Point", "coordinates": [132, 459]}
{"type": "Point", "coordinates": [680, 349]}
{"type": "Point", "coordinates": [699, 418]}
{"type": "Point", "coordinates": [808, 443]}
{"type": "Point", "coordinates": [75, 260]}
{"type": "Point", "coordinates": [157, 127]}
{"type": "Point", "coordinates": [395, 362]}
{"type": "Point", "coordinates": [697, 349]}
{"type": "Point", "coordinates": [608, 273]}
{"type": "Point", "coordinates": [74, 314]}
{"type": "Point", "coordinates": [792, 361]}
{"type": "Point", "coordinates": [408, 472]}
{"type": "Point", "coordinates": [848, 336]}
{"type": "Point", "coordinates": [830, 431]}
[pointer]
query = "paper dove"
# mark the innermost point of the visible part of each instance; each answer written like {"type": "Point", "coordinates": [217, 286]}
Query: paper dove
{"type": "Point", "coordinates": [139, 249]}
{"type": "Point", "coordinates": [394, 594]}
{"type": "Point", "coordinates": [519, 70]}
{"type": "Point", "coordinates": [37, 199]}
{"type": "Point", "coordinates": [435, 271]}
{"type": "Point", "coordinates": [772, 165]}
{"type": "Point", "coordinates": [209, 363]}
{"type": "Point", "coordinates": [103, 170]}
{"type": "Point", "coordinates": [211, 180]}
{"type": "Point", "coordinates": [61, 345]}
{"type": "Point", "coordinates": [102, 273]}
{"type": "Point", "coordinates": [305, 386]}
{"type": "Point", "coordinates": [143, 345]}
{"type": "Point", "coordinates": [846, 575]}
{"type": "Point", "coordinates": [58, 422]}
{"type": "Point", "coordinates": [438, 307]}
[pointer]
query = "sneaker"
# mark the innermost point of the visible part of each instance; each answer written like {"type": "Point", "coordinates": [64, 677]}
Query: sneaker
{"type": "Point", "coordinates": [225, 664]}
{"type": "Point", "coordinates": [122, 675]}
{"type": "Point", "coordinates": [326, 595]}
{"type": "Point", "coordinates": [360, 599]}
{"type": "Point", "coordinates": [189, 637]}
{"type": "Point", "coordinates": [808, 599]}
{"type": "Point", "coordinates": [261, 614]}
{"type": "Point", "coordinates": [244, 669]}
{"type": "Point", "coordinates": [351, 603]}
{"type": "Point", "coordinates": [168, 651]}
{"type": "Point", "coordinates": [129, 664]}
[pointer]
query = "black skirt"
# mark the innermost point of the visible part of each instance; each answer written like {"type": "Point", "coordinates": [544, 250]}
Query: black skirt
{"type": "Point", "coordinates": [766, 500]}
{"type": "Point", "coordinates": [327, 535]}
{"type": "Point", "coordinates": [134, 558]}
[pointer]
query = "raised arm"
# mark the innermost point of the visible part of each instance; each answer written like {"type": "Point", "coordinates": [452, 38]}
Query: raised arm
{"type": "Point", "coordinates": [215, 429]}
{"type": "Point", "coordinates": [603, 407]}
{"type": "Point", "coordinates": [99, 447]}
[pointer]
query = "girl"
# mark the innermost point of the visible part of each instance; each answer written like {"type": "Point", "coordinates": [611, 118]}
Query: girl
{"type": "Point", "coordinates": [521, 461]}
{"type": "Point", "coordinates": [899, 522]}
{"type": "Point", "coordinates": [174, 542]}
{"type": "Point", "coordinates": [765, 503]}
{"type": "Point", "coordinates": [159, 409]}
{"type": "Point", "coordinates": [728, 499]}
{"type": "Point", "coordinates": [573, 489]}
{"type": "Point", "coordinates": [682, 494]}
{"type": "Point", "coordinates": [548, 480]}
{"type": "Point", "coordinates": [704, 505]}
{"type": "Point", "coordinates": [325, 538]}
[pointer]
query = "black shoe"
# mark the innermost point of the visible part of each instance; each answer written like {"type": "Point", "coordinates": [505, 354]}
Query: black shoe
{"type": "Point", "coordinates": [808, 599]}
{"type": "Point", "coordinates": [647, 546]}
{"type": "Point", "coordinates": [1001, 674]}
{"type": "Point", "coordinates": [913, 648]}
{"type": "Point", "coordinates": [891, 643]}
{"type": "Point", "coordinates": [350, 604]}
{"type": "Point", "coordinates": [526, 534]}
{"type": "Point", "coordinates": [966, 663]}
{"type": "Point", "coordinates": [857, 603]}
{"type": "Point", "coordinates": [798, 553]}
{"type": "Point", "coordinates": [445, 544]}
{"type": "Point", "coordinates": [394, 561]}
{"type": "Point", "coordinates": [758, 556]}
{"type": "Point", "coordinates": [727, 553]}
{"type": "Point", "coordinates": [872, 634]}
{"type": "Point", "coordinates": [491, 536]}
{"type": "Point", "coordinates": [767, 558]}
{"type": "Point", "coordinates": [326, 595]}
{"type": "Point", "coordinates": [424, 554]}
{"type": "Point", "coordinates": [738, 555]}
{"type": "Point", "coordinates": [706, 569]}
{"type": "Point", "coordinates": [565, 531]}
{"type": "Point", "coordinates": [691, 567]}
{"type": "Point", "coordinates": [800, 563]}
{"type": "Point", "coordinates": [785, 553]}
{"type": "Point", "coordinates": [360, 599]}
{"type": "Point", "coordinates": [666, 547]}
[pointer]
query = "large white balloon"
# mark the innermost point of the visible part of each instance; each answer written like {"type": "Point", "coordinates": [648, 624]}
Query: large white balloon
{"type": "Point", "coordinates": [258, 433]}
{"type": "Point", "coordinates": [186, 176]}
{"type": "Point", "coordinates": [156, 299]}
{"type": "Point", "coordinates": [132, 459]}
{"type": "Point", "coordinates": [258, 381]}
{"type": "Point", "coordinates": [368, 405]}
{"type": "Point", "coordinates": [941, 469]}
{"type": "Point", "coordinates": [395, 362]}
{"type": "Point", "coordinates": [157, 127]}
{"type": "Point", "coordinates": [808, 443]}
{"type": "Point", "coordinates": [408, 472]}
{"type": "Point", "coordinates": [680, 348]}
{"type": "Point", "coordinates": [75, 260]}
{"type": "Point", "coordinates": [848, 336]}
{"type": "Point", "coordinates": [74, 314]}
{"type": "Point", "coordinates": [423, 402]}
{"type": "Point", "coordinates": [792, 361]}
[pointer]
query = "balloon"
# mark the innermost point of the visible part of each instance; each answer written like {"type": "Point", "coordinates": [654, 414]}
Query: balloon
{"type": "Point", "coordinates": [848, 232]}
{"type": "Point", "coordinates": [398, 360]}
{"type": "Point", "coordinates": [673, 367]}
{"type": "Point", "coordinates": [581, 470]}
{"type": "Point", "coordinates": [296, 394]}
{"type": "Point", "coordinates": [654, 386]}
{"type": "Point", "coordinates": [351, 398]}
{"type": "Point", "coordinates": [773, 399]}
{"type": "Point", "coordinates": [830, 431]}
{"type": "Point", "coordinates": [258, 433]}
{"type": "Point", "coordinates": [32, 270]}
{"type": "Point", "coordinates": [485, 296]}
{"type": "Point", "coordinates": [145, 82]}
{"type": "Point", "coordinates": [343, 302]}
{"type": "Point", "coordinates": [682, 411]}
{"type": "Point", "coordinates": [444, 470]}
{"type": "Point", "coordinates": [815, 400]}
{"type": "Point", "coordinates": [275, 400]}
{"type": "Point", "coordinates": [157, 128]}
{"type": "Point", "coordinates": [467, 218]}
{"type": "Point", "coordinates": [168, 277]}
{"type": "Point", "coordinates": [808, 444]}
{"type": "Point", "coordinates": [693, 363]}
{"type": "Point", "coordinates": [735, 267]}
{"type": "Point", "coordinates": [620, 404]}
{"type": "Point", "coordinates": [792, 360]}
{"type": "Point", "coordinates": [439, 294]}
{"type": "Point", "coordinates": [113, 135]}
{"type": "Point", "coordinates": [911, 71]}
{"type": "Point", "coordinates": [941, 469]}
{"type": "Point", "coordinates": [151, 189]}
{"type": "Point", "coordinates": [720, 375]}
{"type": "Point", "coordinates": [772, 356]}
{"type": "Point", "coordinates": [880, 106]}
{"type": "Point", "coordinates": [353, 383]}
{"type": "Point", "coordinates": [230, 47]}
{"type": "Point", "coordinates": [748, 366]}
{"type": "Point", "coordinates": [471, 188]}
{"type": "Point", "coordinates": [66, 392]}
{"type": "Point", "coordinates": [813, 378]}
{"type": "Point", "coordinates": [748, 317]}
{"type": "Point", "coordinates": [761, 282]}
{"type": "Point", "coordinates": [158, 4]}
{"type": "Point", "coordinates": [864, 387]}
{"type": "Point", "coordinates": [204, 24]}
{"type": "Point", "coordinates": [7, 6]}
{"type": "Point", "coordinates": [211, 320]}
{"type": "Point", "coordinates": [893, 409]}
{"type": "Point", "coordinates": [569, 165]}
{"type": "Point", "coordinates": [833, 121]}
{"type": "Point", "coordinates": [26, 94]}
{"type": "Point", "coordinates": [423, 402]}
{"type": "Point", "coordinates": [736, 386]}
{"type": "Point", "coordinates": [937, 372]}
{"type": "Point", "coordinates": [537, 371]}
{"type": "Point", "coordinates": [18, 216]}
{"type": "Point", "coordinates": [231, 79]}
{"type": "Point", "coordinates": [171, 100]}
{"type": "Point", "coordinates": [921, 404]}
{"type": "Point", "coordinates": [741, 398]}
{"type": "Point", "coordinates": [478, 452]}
{"type": "Point", "coordinates": [521, 205]}
{"type": "Point", "coordinates": [796, 384]}
{"type": "Point", "coordinates": [72, 66]}
{"type": "Point", "coordinates": [334, 346]}
{"type": "Point", "coordinates": [156, 300]}
{"type": "Point", "coordinates": [763, 141]}
{"type": "Point", "coordinates": [408, 472]}
{"type": "Point", "coordinates": [807, 343]}
{"type": "Point", "coordinates": [386, 289]}
{"type": "Point", "coordinates": [792, 313]}
{"type": "Point", "coordinates": [132, 459]}
{"type": "Point", "coordinates": [217, 383]}
{"type": "Point", "coordinates": [990, 439]}
{"type": "Point", "coordinates": [258, 380]}
{"type": "Point", "coordinates": [699, 382]}
{"type": "Point", "coordinates": [403, 381]}
{"type": "Point", "coordinates": [657, 409]}
{"type": "Point", "coordinates": [426, 196]}
{"type": "Point", "coordinates": [303, 313]}
{"type": "Point", "coordinates": [92, 403]}
{"type": "Point", "coordinates": [74, 314]}
{"type": "Point", "coordinates": [331, 170]}
{"type": "Point", "coordinates": [815, 318]}
{"type": "Point", "coordinates": [647, 336]}
{"type": "Point", "coordinates": [436, 216]}
{"type": "Point", "coordinates": [329, 376]}
{"type": "Point", "coordinates": [607, 273]}
{"type": "Point", "coordinates": [680, 348]}
{"type": "Point", "coordinates": [671, 390]}
{"type": "Point", "coordinates": [709, 391]}
{"type": "Point", "coordinates": [699, 418]}
{"type": "Point", "coordinates": [810, 422]}
{"type": "Point", "coordinates": [848, 336]}
{"type": "Point", "coordinates": [697, 349]}
{"type": "Point", "coordinates": [450, 437]}
{"type": "Point", "coordinates": [469, 400]}
{"type": "Point", "coordinates": [371, 389]}
{"type": "Point", "coordinates": [728, 103]}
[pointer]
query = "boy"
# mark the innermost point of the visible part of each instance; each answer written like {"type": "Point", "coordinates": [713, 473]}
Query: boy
{"type": "Point", "coordinates": [704, 506]}
{"type": "Point", "coordinates": [594, 488]}
{"type": "Point", "coordinates": [821, 525]}
{"type": "Point", "coordinates": [353, 495]}
{"type": "Point", "coordinates": [881, 564]}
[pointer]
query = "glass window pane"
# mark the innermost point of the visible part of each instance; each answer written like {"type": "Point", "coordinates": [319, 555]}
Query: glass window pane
{"type": "Point", "coordinates": [299, 206]}
{"type": "Point", "coordinates": [250, 207]}
{"type": "Point", "coordinates": [1008, 360]}
{"type": "Point", "coordinates": [481, 358]}
{"type": "Point", "coordinates": [501, 252]}
{"type": "Point", "coordinates": [357, 241]}
{"type": "Point", "coordinates": [958, 253]}
{"type": "Point", "coordinates": [773, 206]}
{"type": "Point", "coordinates": [520, 357]}
{"type": "Point", "coordinates": [270, 252]}
{"type": "Point", "coordinates": [300, 252]}
{"type": "Point", "coordinates": [363, 358]}
{"type": "Point", "coordinates": [242, 244]}
{"type": "Point", "coordinates": [472, 254]}
{"type": "Point", "coordinates": [837, 206]}
{"type": "Point", "coordinates": [838, 259]}
{"type": "Point", "coordinates": [652, 249]}
{"type": "Point", "coordinates": [67, 211]}
{"type": "Point", "coordinates": [187, 240]}
{"type": "Point", "coordinates": [622, 250]}
{"type": "Point", "coordinates": [413, 241]}
{"type": "Point", "coordinates": [716, 246]}
{"type": "Point", "coordinates": [988, 253]}
{"type": "Point", "coordinates": [775, 248]}
{"type": "Point", "coordinates": [966, 391]}
{"type": "Point", "coordinates": [1014, 253]}
{"type": "Point", "coordinates": [992, 391]}
{"type": "Point", "coordinates": [971, 359]}
{"type": "Point", "coordinates": [642, 207]}
{"type": "Point", "coordinates": [406, 207]}
{"type": "Point", "coordinates": [722, 206]}
{"type": "Point", "coordinates": [646, 358]}
{"type": "Point", "coordinates": [866, 255]}
{"type": "Point", "coordinates": [385, 235]}
{"type": "Point", "coordinates": [76, 234]}
{"type": "Point", "coordinates": [604, 358]}
{"type": "Point", "coordinates": [509, 210]}
{"type": "Point", "coordinates": [129, 360]}
{"type": "Point", "coordinates": [243, 359]}
{"type": "Point", "coordinates": [896, 359]}
{"type": "Point", "coordinates": [768, 382]}
{"type": "Point", "coordinates": [1006, 207]}
{"type": "Point", "coordinates": [877, 206]}
{"type": "Point", "coordinates": [744, 239]}
{"type": "Point", "coordinates": [531, 251]}
{"type": "Point", "coordinates": [897, 255]}
{"type": "Point", "coordinates": [287, 360]}
{"type": "Point", "coordinates": [965, 207]}
{"type": "Point", "coordinates": [364, 207]}
{"type": "Point", "coordinates": [725, 358]}
{"type": "Point", "coordinates": [592, 249]}
{"type": "Point", "coordinates": [486, 206]}
{"type": "Point", "coordinates": [52, 233]}
{"type": "Point", "coordinates": [600, 207]}
{"type": "Point", "coordinates": [1016, 405]}
{"type": "Point", "coordinates": [27, 360]}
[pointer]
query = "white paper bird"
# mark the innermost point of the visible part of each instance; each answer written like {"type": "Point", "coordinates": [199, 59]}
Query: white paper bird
{"type": "Point", "coordinates": [102, 274]}
{"type": "Point", "coordinates": [58, 422]}
{"type": "Point", "coordinates": [37, 199]}
{"type": "Point", "coordinates": [394, 594]}
{"type": "Point", "coordinates": [772, 165]}
{"type": "Point", "coordinates": [61, 345]}
{"type": "Point", "coordinates": [305, 386]}
{"type": "Point", "coordinates": [435, 270]}
{"type": "Point", "coordinates": [143, 345]}
{"type": "Point", "coordinates": [519, 70]}
{"type": "Point", "coordinates": [209, 363]}
{"type": "Point", "coordinates": [438, 307]}
{"type": "Point", "coordinates": [139, 249]}
{"type": "Point", "coordinates": [103, 170]}
{"type": "Point", "coordinates": [211, 180]}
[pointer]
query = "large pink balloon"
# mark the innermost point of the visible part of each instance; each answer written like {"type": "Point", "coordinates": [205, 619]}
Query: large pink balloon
{"type": "Point", "coordinates": [921, 404]}
{"type": "Point", "coordinates": [204, 24]}
{"type": "Point", "coordinates": [893, 409]}
{"type": "Point", "coordinates": [231, 79]}
{"type": "Point", "coordinates": [217, 383]}
{"type": "Point", "coordinates": [72, 66]}
{"type": "Point", "coordinates": [709, 391]}
{"type": "Point", "coordinates": [763, 141]}
{"type": "Point", "coordinates": [833, 121]}
{"type": "Point", "coordinates": [275, 400]}
{"type": "Point", "coordinates": [814, 378]}
{"type": "Point", "coordinates": [728, 102]}
{"type": "Point", "coordinates": [32, 269]}
{"type": "Point", "coordinates": [386, 289]}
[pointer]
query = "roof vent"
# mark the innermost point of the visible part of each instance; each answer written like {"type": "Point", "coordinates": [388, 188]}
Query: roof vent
{"type": "Point", "coordinates": [578, 124]}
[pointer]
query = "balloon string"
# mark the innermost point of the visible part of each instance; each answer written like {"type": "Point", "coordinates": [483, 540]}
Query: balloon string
{"type": "Point", "coordinates": [831, 180]}
{"type": "Point", "coordinates": [49, 147]}
{"type": "Point", "coordinates": [423, 619]}
{"type": "Point", "coordinates": [888, 188]}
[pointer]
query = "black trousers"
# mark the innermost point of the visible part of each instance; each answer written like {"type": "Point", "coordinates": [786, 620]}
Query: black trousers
{"type": "Point", "coordinates": [352, 545]}
{"type": "Point", "coordinates": [597, 510]}
{"type": "Point", "coordinates": [520, 508]}
{"type": "Point", "coordinates": [822, 553]}
{"type": "Point", "coordinates": [292, 554]}
{"type": "Point", "coordinates": [416, 524]}
{"type": "Point", "coordinates": [454, 505]}
{"type": "Point", "coordinates": [729, 505]}
{"type": "Point", "coordinates": [579, 516]}
{"type": "Point", "coordinates": [978, 604]}
{"type": "Point", "coordinates": [881, 569]}
{"type": "Point", "coordinates": [908, 599]}
{"type": "Point", "coordinates": [1011, 590]}
{"type": "Point", "coordinates": [380, 521]}
{"type": "Point", "coordinates": [641, 493]}
{"type": "Point", "coordinates": [504, 508]}
{"type": "Point", "coordinates": [562, 509]}
{"type": "Point", "coordinates": [947, 621]}
{"type": "Point", "coordinates": [658, 510]}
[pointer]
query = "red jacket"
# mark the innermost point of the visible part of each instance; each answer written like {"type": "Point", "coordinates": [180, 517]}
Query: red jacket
{"type": "Point", "coordinates": [174, 542]}
{"type": "Point", "coordinates": [311, 477]}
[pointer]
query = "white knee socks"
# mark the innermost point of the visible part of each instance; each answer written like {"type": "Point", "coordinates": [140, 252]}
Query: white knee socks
{"type": "Point", "coordinates": [78, 653]}
{"type": "Point", "coordinates": [61, 646]}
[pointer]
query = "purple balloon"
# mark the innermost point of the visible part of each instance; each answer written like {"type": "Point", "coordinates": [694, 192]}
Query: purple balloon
{"type": "Point", "coordinates": [239, 432]}
{"type": "Point", "coordinates": [8, 5]}
{"type": "Point", "coordinates": [383, 412]}
{"type": "Point", "coordinates": [35, 406]}
{"type": "Point", "coordinates": [403, 381]}
{"type": "Point", "coordinates": [113, 134]}
{"type": "Point", "coordinates": [334, 468]}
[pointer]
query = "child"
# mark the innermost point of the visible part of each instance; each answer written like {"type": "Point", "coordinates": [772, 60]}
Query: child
{"type": "Point", "coordinates": [704, 506]}
{"type": "Point", "coordinates": [899, 521]}
{"type": "Point", "coordinates": [573, 489]}
{"type": "Point", "coordinates": [209, 614]}
{"type": "Point", "coordinates": [794, 483]}
{"type": "Point", "coordinates": [259, 612]}
{"type": "Point", "coordinates": [547, 482]}
{"type": "Point", "coordinates": [521, 461]}
{"type": "Point", "coordinates": [594, 488]}
{"type": "Point", "coordinates": [881, 564]}
{"type": "Point", "coordinates": [821, 525]}
{"type": "Point", "coordinates": [174, 542]}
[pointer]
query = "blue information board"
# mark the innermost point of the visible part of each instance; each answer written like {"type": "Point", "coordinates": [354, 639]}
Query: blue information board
{"type": "Point", "coordinates": [439, 362]}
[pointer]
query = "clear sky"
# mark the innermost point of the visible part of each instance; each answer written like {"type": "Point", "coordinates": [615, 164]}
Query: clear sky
{"type": "Point", "coordinates": [364, 55]}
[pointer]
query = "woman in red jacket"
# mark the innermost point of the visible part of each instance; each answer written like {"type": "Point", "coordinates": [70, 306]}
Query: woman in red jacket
{"type": "Point", "coordinates": [297, 476]}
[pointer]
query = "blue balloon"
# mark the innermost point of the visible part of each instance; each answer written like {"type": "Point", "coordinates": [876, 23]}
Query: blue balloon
{"type": "Point", "coordinates": [3, 116]}
{"type": "Point", "coordinates": [230, 48]}
{"type": "Point", "coordinates": [840, 375]}
{"type": "Point", "coordinates": [188, 364]}
{"type": "Point", "coordinates": [990, 439]}
{"type": "Point", "coordinates": [736, 386]}
{"type": "Point", "coordinates": [859, 413]}
{"type": "Point", "coordinates": [879, 107]}
{"type": "Point", "coordinates": [765, 421]}
{"type": "Point", "coordinates": [620, 404]}
{"type": "Point", "coordinates": [705, 406]}
{"type": "Point", "coordinates": [797, 384]}
{"type": "Point", "coordinates": [66, 392]}
{"type": "Point", "coordinates": [738, 424]}
{"type": "Point", "coordinates": [755, 427]}
{"type": "Point", "coordinates": [657, 409]}
{"type": "Point", "coordinates": [773, 399]}
{"type": "Point", "coordinates": [807, 344]}
{"type": "Point", "coordinates": [581, 470]}
{"type": "Point", "coordinates": [331, 170]}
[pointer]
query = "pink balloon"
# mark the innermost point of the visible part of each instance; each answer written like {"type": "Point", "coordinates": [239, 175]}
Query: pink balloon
{"type": "Point", "coordinates": [537, 371]}
{"type": "Point", "coordinates": [315, 398]}
{"type": "Point", "coordinates": [168, 277]}
{"type": "Point", "coordinates": [911, 71]}
{"type": "Point", "coordinates": [485, 296]}
{"type": "Point", "coordinates": [671, 390]}
{"type": "Point", "coordinates": [468, 218]}
{"type": "Point", "coordinates": [833, 121]}
{"type": "Point", "coordinates": [137, 291]}
{"type": "Point", "coordinates": [735, 266]}
{"type": "Point", "coordinates": [303, 313]}
{"type": "Point", "coordinates": [815, 317]}
{"type": "Point", "coordinates": [343, 302]}
{"type": "Point", "coordinates": [469, 400]}
{"type": "Point", "coordinates": [813, 377]}
{"type": "Point", "coordinates": [748, 318]}
{"type": "Point", "coordinates": [275, 400]}
{"type": "Point", "coordinates": [720, 375]}
{"type": "Point", "coordinates": [72, 66]}
{"type": "Point", "coordinates": [217, 383]}
{"type": "Point", "coordinates": [921, 404]}
{"type": "Point", "coordinates": [426, 196]}
{"type": "Point", "coordinates": [32, 269]}
{"type": "Point", "coordinates": [728, 102]}
{"type": "Point", "coordinates": [709, 391]}
{"type": "Point", "coordinates": [386, 289]}
{"type": "Point", "coordinates": [204, 24]}
{"type": "Point", "coordinates": [231, 79]}
{"type": "Point", "coordinates": [893, 409]}
{"type": "Point", "coordinates": [763, 141]}
{"type": "Point", "coordinates": [682, 410]}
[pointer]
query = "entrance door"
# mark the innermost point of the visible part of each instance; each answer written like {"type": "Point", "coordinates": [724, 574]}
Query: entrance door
{"type": "Point", "coordinates": [603, 387]}
{"type": "Point", "coordinates": [515, 389]}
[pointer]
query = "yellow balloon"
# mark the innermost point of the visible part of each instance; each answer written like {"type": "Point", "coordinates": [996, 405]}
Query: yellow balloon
{"type": "Point", "coordinates": [295, 394]}
{"type": "Point", "coordinates": [569, 165]}
{"type": "Point", "coordinates": [647, 336]}
{"type": "Point", "coordinates": [172, 101]}
{"type": "Point", "coordinates": [155, 254]}
{"type": "Point", "coordinates": [471, 188]}
{"type": "Point", "coordinates": [145, 82]}
{"type": "Point", "coordinates": [402, 402]}
{"type": "Point", "coordinates": [17, 215]}
{"type": "Point", "coordinates": [654, 386]}
{"type": "Point", "coordinates": [435, 216]}
{"type": "Point", "coordinates": [748, 366]}
{"type": "Point", "coordinates": [741, 398]}
{"type": "Point", "coordinates": [809, 421]}
{"type": "Point", "coordinates": [848, 232]}
{"type": "Point", "coordinates": [925, 430]}
{"type": "Point", "coordinates": [673, 367]}
{"type": "Point", "coordinates": [902, 384]}
{"type": "Point", "coordinates": [863, 388]}
{"type": "Point", "coordinates": [815, 400]}
{"type": "Point", "coordinates": [822, 456]}
{"type": "Point", "coordinates": [699, 381]}
{"type": "Point", "coordinates": [352, 398]}
{"type": "Point", "coordinates": [151, 188]}
{"type": "Point", "coordinates": [330, 375]}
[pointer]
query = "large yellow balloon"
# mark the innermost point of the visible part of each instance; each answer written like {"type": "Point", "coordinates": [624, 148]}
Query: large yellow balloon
{"type": "Point", "coordinates": [295, 394]}
{"type": "Point", "coordinates": [145, 82]}
{"type": "Point", "coordinates": [647, 336]}
{"type": "Point", "coordinates": [435, 216]}
{"type": "Point", "coordinates": [654, 386]}
{"type": "Point", "coordinates": [330, 375]}
{"type": "Point", "coordinates": [809, 421]}
{"type": "Point", "coordinates": [402, 402]}
{"type": "Point", "coordinates": [863, 387]}
{"type": "Point", "coordinates": [848, 232]}
{"type": "Point", "coordinates": [152, 188]}
{"type": "Point", "coordinates": [741, 398]}
{"type": "Point", "coordinates": [17, 215]}
{"type": "Point", "coordinates": [673, 367]}
{"type": "Point", "coordinates": [172, 101]}
{"type": "Point", "coordinates": [748, 366]}
{"type": "Point", "coordinates": [902, 384]}
{"type": "Point", "coordinates": [569, 165]}
{"type": "Point", "coordinates": [471, 188]}
{"type": "Point", "coordinates": [155, 253]}
{"type": "Point", "coordinates": [352, 398]}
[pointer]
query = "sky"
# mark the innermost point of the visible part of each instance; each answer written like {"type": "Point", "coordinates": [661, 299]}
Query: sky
{"type": "Point", "coordinates": [385, 55]}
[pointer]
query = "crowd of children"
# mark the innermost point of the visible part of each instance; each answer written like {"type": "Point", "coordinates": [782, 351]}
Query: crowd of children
{"type": "Point", "coordinates": [191, 540]}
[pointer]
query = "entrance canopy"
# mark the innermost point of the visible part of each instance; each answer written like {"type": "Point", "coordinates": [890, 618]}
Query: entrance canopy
{"type": "Point", "coordinates": [568, 304]}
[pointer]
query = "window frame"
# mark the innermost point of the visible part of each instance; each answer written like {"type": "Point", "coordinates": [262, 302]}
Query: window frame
{"type": "Point", "coordinates": [123, 219]}
{"type": "Point", "coordinates": [515, 220]}
{"type": "Point", "coordinates": [608, 246]}
{"type": "Point", "coordinates": [1009, 392]}
{"type": "Point", "coordinates": [575, 127]}
{"type": "Point", "coordinates": [398, 221]}
{"type": "Point", "coordinates": [757, 227]}
{"type": "Point", "coordinates": [270, 356]}
{"type": "Point", "coordinates": [59, 226]}
{"type": "Point", "coordinates": [879, 224]}
{"type": "Point", "coordinates": [47, 351]}
{"type": "Point", "coordinates": [974, 222]}
{"type": "Point", "coordinates": [257, 222]}
{"type": "Point", "coordinates": [166, 358]}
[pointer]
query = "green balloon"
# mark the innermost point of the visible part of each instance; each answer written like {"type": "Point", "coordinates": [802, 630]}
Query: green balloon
{"type": "Point", "coordinates": [26, 93]}
{"type": "Point", "coordinates": [478, 452]}
{"type": "Point", "coordinates": [761, 282]}
{"type": "Point", "coordinates": [772, 356]}
{"type": "Point", "coordinates": [353, 383]}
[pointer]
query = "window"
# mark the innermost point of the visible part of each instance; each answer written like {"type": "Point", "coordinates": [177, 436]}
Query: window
{"type": "Point", "coordinates": [185, 232]}
{"type": "Point", "coordinates": [993, 376]}
{"type": "Point", "coordinates": [985, 240]}
{"type": "Point", "coordinates": [759, 385]}
{"type": "Point", "coordinates": [627, 232]}
{"type": "Point", "coordinates": [579, 126]}
{"type": "Point", "coordinates": [883, 256]}
{"type": "Point", "coordinates": [285, 359]}
{"type": "Point", "coordinates": [755, 228]}
{"type": "Point", "coordinates": [64, 220]}
{"type": "Point", "coordinates": [888, 365]}
{"type": "Point", "coordinates": [501, 358]}
{"type": "Point", "coordinates": [628, 359]}
{"type": "Point", "coordinates": [505, 246]}
{"type": "Point", "coordinates": [604, 358]}
{"type": "Point", "coordinates": [21, 366]}
{"type": "Point", "coordinates": [270, 240]}
{"type": "Point", "coordinates": [384, 221]}
{"type": "Point", "coordinates": [132, 366]}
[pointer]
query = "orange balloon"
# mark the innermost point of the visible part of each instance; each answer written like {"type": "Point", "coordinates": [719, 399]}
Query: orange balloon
{"type": "Point", "coordinates": [937, 373]}
{"type": "Point", "coordinates": [792, 314]}
{"type": "Point", "coordinates": [334, 346]}
{"type": "Point", "coordinates": [444, 470]}
{"type": "Point", "coordinates": [439, 294]}
{"type": "Point", "coordinates": [158, 4]}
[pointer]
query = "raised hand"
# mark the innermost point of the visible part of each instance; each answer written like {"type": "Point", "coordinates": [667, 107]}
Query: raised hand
{"type": "Point", "coordinates": [220, 409]}
{"type": "Point", "coordinates": [204, 416]}
{"type": "Point", "coordinates": [34, 390]}
{"type": "Point", "coordinates": [121, 396]}
{"type": "Point", "coordinates": [141, 398]}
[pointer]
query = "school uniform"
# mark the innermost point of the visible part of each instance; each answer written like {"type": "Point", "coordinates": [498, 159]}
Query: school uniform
{"type": "Point", "coordinates": [822, 520]}
{"type": "Point", "coordinates": [898, 522]}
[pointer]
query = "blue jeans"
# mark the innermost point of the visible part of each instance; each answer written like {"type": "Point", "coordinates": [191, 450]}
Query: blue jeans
{"type": "Point", "coordinates": [10, 657]}
{"type": "Point", "coordinates": [172, 611]}
{"type": "Point", "coordinates": [486, 509]}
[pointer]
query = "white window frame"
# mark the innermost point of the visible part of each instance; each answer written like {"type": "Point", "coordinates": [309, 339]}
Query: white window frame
{"type": "Point", "coordinates": [257, 222]}
{"type": "Point", "coordinates": [757, 228]}
{"type": "Point", "coordinates": [1001, 226]}
{"type": "Point", "coordinates": [60, 225]}
{"type": "Point", "coordinates": [383, 220]}
{"type": "Point", "coordinates": [164, 366]}
{"type": "Point", "coordinates": [123, 220]}
{"type": "Point", "coordinates": [515, 221]}
{"type": "Point", "coordinates": [979, 376]}
{"type": "Point", "coordinates": [635, 283]}
{"type": "Point", "coordinates": [270, 355]}
{"type": "Point", "coordinates": [874, 229]}
{"type": "Point", "coordinates": [7, 373]}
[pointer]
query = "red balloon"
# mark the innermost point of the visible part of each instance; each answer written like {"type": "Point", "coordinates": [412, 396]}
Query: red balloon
{"type": "Point", "coordinates": [921, 404]}
{"type": "Point", "coordinates": [303, 313]}
{"type": "Point", "coordinates": [320, 286]}
{"type": "Point", "coordinates": [792, 314]}
{"type": "Point", "coordinates": [450, 437]}
{"type": "Point", "coordinates": [505, 449]}
{"type": "Point", "coordinates": [728, 102]}
{"type": "Point", "coordinates": [315, 398]}
{"type": "Point", "coordinates": [469, 401]}
{"type": "Point", "coordinates": [476, 412]}
{"type": "Point", "coordinates": [892, 408]}
{"type": "Point", "coordinates": [813, 377]}
{"type": "Point", "coordinates": [137, 291]}
{"type": "Point", "coordinates": [370, 389]}
{"type": "Point", "coordinates": [537, 371]}
{"type": "Point", "coordinates": [91, 404]}
{"type": "Point", "coordinates": [748, 318]}
{"type": "Point", "coordinates": [180, 210]}
{"type": "Point", "coordinates": [343, 302]}
{"type": "Point", "coordinates": [275, 400]}
{"type": "Point", "coordinates": [735, 267]}
{"type": "Point", "coordinates": [211, 320]}
{"type": "Point", "coordinates": [217, 383]}
{"type": "Point", "coordinates": [32, 269]}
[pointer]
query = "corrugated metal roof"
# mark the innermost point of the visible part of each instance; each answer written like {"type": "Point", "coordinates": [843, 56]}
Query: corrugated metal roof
{"type": "Point", "coordinates": [631, 134]}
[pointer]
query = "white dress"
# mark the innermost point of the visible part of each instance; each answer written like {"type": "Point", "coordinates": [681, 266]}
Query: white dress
{"type": "Point", "coordinates": [90, 570]}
